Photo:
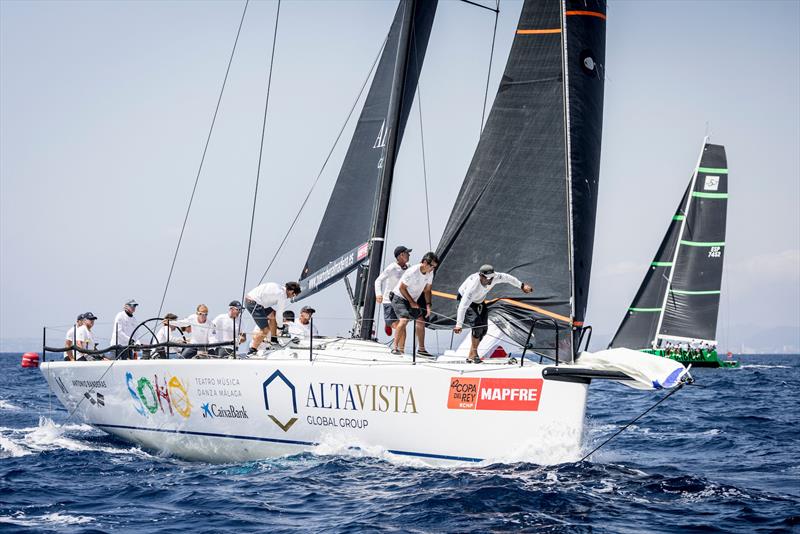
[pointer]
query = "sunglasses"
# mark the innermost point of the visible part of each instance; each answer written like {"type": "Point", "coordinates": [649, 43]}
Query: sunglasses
{"type": "Point", "coordinates": [200, 313]}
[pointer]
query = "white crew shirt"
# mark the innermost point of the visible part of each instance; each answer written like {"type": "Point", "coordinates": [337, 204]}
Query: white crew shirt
{"type": "Point", "coordinates": [271, 295]}
{"type": "Point", "coordinates": [71, 338]}
{"type": "Point", "coordinates": [200, 331]}
{"type": "Point", "coordinates": [71, 334]}
{"type": "Point", "coordinates": [171, 335]}
{"type": "Point", "coordinates": [415, 282]}
{"type": "Point", "coordinates": [472, 291]}
{"type": "Point", "coordinates": [388, 279]}
{"type": "Point", "coordinates": [84, 336]}
{"type": "Point", "coordinates": [125, 325]}
{"type": "Point", "coordinates": [222, 328]}
{"type": "Point", "coordinates": [298, 329]}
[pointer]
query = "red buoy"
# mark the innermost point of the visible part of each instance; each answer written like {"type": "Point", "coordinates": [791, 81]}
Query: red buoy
{"type": "Point", "coordinates": [30, 359]}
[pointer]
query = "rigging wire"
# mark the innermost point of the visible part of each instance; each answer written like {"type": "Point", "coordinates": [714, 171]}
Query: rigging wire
{"type": "Point", "coordinates": [491, 58]}
{"type": "Point", "coordinates": [261, 150]}
{"type": "Point", "coordinates": [424, 162]}
{"type": "Point", "coordinates": [203, 158]}
{"type": "Point", "coordinates": [618, 432]}
{"type": "Point", "coordinates": [325, 163]}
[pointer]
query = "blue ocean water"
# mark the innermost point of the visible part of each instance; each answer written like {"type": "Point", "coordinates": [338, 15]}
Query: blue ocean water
{"type": "Point", "coordinates": [724, 457]}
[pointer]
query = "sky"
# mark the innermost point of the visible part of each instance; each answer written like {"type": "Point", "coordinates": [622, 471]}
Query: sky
{"type": "Point", "coordinates": [105, 108]}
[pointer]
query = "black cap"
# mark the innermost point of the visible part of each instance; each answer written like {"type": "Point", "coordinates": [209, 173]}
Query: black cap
{"type": "Point", "coordinates": [235, 304]}
{"type": "Point", "coordinates": [307, 309]}
{"type": "Point", "coordinates": [81, 317]}
{"type": "Point", "coordinates": [288, 315]}
{"type": "Point", "coordinates": [399, 250]}
{"type": "Point", "coordinates": [89, 316]}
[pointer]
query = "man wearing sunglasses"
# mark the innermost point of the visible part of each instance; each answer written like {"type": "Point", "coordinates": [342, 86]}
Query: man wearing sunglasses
{"type": "Point", "coordinates": [199, 328]}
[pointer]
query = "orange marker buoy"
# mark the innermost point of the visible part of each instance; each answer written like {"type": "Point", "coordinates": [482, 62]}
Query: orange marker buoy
{"type": "Point", "coordinates": [30, 359]}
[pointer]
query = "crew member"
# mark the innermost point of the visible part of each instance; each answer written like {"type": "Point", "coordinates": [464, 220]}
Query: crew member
{"type": "Point", "coordinates": [122, 330]}
{"type": "Point", "coordinates": [85, 339]}
{"type": "Point", "coordinates": [386, 282]}
{"type": "Point", "coordinates": [169, 333]}
{"type": "Point", "coordinates": [266, 303]}
{"type": "Point", "coordinates": [223, 327]}
{"type": "Point", "coordinates": [412, 292]}
{"type": "Point", "coordinates": [199, 328]}
{"type": "Point", "coordinates": [69, 340]}
{"type": "Point", "coordinates": [473, 310]}
{"type": "Point", "coordinates": [302, 328]}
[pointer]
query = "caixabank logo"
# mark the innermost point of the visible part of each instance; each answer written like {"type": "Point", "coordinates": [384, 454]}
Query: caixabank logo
{"type": "Point", "coordinates": [280, 400]}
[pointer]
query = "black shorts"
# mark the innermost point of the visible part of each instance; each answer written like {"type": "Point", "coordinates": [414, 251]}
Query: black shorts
{"type": "Point", "coordinates": [260, 313]}
{"type": "Point", "coordinates": [403, 310]}
{"type": "Point", "coordinates": [389, 316]}
{"type": "Point", "coordinates": [477, 317]}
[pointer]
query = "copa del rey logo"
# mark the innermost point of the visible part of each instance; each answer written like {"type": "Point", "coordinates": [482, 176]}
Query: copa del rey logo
{"type": "Point", "coordinates": [510, 394]}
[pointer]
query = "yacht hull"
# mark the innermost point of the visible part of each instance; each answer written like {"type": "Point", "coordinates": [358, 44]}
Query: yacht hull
{"type": "Point", "coordinates": [239, 410]}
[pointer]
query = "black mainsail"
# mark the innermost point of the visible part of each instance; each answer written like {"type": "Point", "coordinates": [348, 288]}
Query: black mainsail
{"type": "Point", "coordinates": [528, 202]}
{"type": "Point", "coordinates": [679, 296]}
{"type": "Point", "coordinates": [348, 226]}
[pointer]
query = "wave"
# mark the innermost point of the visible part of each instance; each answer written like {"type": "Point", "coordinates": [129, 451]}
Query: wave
{"type": "Point", "coordinates": [46, 520]}
{"type": "Point", "coordinates": [5, 405]}
{"type": "Point", "coordinates": [764, 366]}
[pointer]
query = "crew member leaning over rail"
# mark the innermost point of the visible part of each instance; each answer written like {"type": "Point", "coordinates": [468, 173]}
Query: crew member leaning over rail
{"type": "Point", "coordinates": [266, 303]}
{"type": "Point", "coordinates": [471, 306]}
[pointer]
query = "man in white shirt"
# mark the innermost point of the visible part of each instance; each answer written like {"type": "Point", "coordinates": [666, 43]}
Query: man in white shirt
{"type": "Point", "coordinates": [169, 333]}
{"type": "Point", "coordinates": [407, 300]}
{"type": "Point", "coordinates": [199, 329]}
{"type": "Point", "coordinates": [471, 306]}
{"type": "Point", "coordinates": [385, 283]}
{"type": "Point", "coordinates": [302, 328]}
{"type": "Point", "coordinates": [122, 330]}
{"type": "Point", "coordinates": [222, 329]}
{"type": "Point", "coordinates": [266, 303]}
{"type": "Point", "coordinates": [69, 339]}
{"type": "Point", "coordinates": [85, 339]}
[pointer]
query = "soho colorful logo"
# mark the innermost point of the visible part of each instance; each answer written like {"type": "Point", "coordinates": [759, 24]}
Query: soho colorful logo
{"type": "Point", "coordinates": [151, 397]}
{"type": "Point", "coordinates": [278, 388]}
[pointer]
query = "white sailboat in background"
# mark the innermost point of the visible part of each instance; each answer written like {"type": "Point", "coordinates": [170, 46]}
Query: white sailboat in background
{"type": "Point", "coordinates": [527, 206]}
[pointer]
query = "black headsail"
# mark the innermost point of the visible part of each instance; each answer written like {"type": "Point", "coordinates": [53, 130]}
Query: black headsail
{"type": "Point", "coordinates": [343, 239]}
{"type": "Point", "coordinates": [528, 202]}
{"type": "Point", "coordinates": [679, 297]}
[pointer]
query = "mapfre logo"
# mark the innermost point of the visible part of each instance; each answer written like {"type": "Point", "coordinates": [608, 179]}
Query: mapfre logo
{"type": "Point", "coordinates": [507, 394]}
{"type": "Point", "coordinates": [280, 398]}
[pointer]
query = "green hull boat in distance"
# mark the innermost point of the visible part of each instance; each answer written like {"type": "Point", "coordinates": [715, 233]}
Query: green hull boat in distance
{"type": "Point", "coordinates": [674, 313]}
{"type": "Point", "coordinates": [695, 358]}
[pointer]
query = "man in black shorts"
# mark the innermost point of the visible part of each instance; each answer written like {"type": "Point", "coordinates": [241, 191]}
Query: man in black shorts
{"type": "Point", "coordinates": [266, 303]}
{"type": "Point", "coordinates": [472, 309]}
{"type": "Point", "coordinates": [412, 292]}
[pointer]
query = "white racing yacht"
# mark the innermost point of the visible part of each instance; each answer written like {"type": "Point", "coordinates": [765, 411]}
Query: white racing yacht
{"type": "Point", "coordinates": [527, 205]}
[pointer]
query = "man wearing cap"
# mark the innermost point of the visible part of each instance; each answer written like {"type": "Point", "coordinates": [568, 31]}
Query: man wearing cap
{"type": "Point", "coordinates": [223, 327]}
{"type": "Point", "coordinates": [412, 292]}
{"type": "Point", "coordinates": [85, 339]}
{"type": "Point", "coordinates": [169, 333]}
{"type": "Point", "coordinates": [69, 340]}
{"type": "Point", "coordinates": [266, 303]}
{"type": "Point", "coordinates": [200, 330]}
{"type": "Point", "coordinates": [386, 282]}
{"type": "Point", "coordinates": [471, 306]}
{"type": "Point", "coordinates": [300, 329]}
{"type": "Point", "coordinates": [124, 325]}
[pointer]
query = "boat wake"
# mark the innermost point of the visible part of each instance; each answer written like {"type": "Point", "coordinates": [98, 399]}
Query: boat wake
{"type": "Point", "coordinates": [49, 436]}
